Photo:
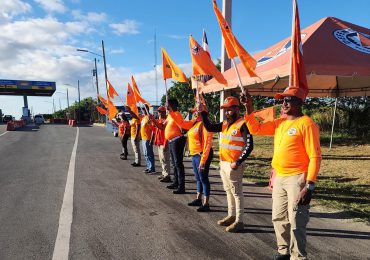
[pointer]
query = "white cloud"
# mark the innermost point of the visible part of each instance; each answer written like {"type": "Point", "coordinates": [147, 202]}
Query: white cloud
{"type": "Point", "coordinates": [177, 37]}
{"type": "Point", "coordinates": [117, 51]}
{"type": "Point", "coordinates": [14, 7]}
{"type": "Point", "coordinates": [52, 5]}
{"type": "Point", "coordinates": [91, 17]}
{"type": "Point", "coordinates": [126, 27]}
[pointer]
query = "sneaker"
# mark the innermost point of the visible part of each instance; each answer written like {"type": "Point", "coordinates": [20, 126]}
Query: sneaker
{"type": "Point", "coordinates": [146, 171]}
{"type": "Point", "coordinates": [172, 186]}
{"type": "Point", "coordinates": [179, 191]}
{"type": "Point", "coordinates": [123, 157]}
{"type": "Point", "coordinates": [166, 179]}
{"type": "Point", "coordinates": [235, 227]}
{"type": "Point", "coordinates": [196, 202]}
{"type": "Point", "coordinates": [151, 172]}
{"type": "Point", "coordinates": [122, 154]}
{"type": "Point", "coordinates": [204, 208]}
{"type": "Point", "coordinates": [281, 257]}
{"type": "Point", "coordinates": [226, 221]}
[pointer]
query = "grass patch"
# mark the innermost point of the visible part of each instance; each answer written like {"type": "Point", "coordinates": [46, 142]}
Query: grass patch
{"type": "Point", "coordinates": [343, 182]}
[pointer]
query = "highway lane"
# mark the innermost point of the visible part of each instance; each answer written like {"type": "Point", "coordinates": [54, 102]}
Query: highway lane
{"type": "Point", "coordinates": [33, 165]}
{"type": "Point", "coordinates": [121, 213]}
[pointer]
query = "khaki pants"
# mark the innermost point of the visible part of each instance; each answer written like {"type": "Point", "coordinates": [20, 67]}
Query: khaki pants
{"type": "Point", "coordinates": [233, 185]}
{"type": "Point", "coordinates": [164, 159]}
{"type": "Point", "coordinates": [289, 221]}
{"type": "Point", "coordinates": [136, 148]}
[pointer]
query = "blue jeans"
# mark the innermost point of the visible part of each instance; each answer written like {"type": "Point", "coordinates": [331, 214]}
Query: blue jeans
{"type": "Point", "coordinates": [203, 185]}
{"type": "Point", "coordinates": [149, 155]}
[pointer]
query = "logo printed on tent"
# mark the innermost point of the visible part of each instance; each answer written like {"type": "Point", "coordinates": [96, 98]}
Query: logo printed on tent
{"type": "Point", "coordinates": [353, 39]}
{"type": "Point", "coordinates": [274, 54]}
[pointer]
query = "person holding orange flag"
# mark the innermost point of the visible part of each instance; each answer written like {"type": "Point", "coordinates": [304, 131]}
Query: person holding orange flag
{"type": "Point", "coordinates": [236, 144]}
{"type": "Point", "coordinates": [200, 148]}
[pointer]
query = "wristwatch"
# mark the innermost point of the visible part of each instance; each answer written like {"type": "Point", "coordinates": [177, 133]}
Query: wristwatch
{"type": "Point", "coordinates": [310, 186]}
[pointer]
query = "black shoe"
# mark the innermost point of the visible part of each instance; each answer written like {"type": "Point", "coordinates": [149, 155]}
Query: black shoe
{"type": "Point", "coordinates": [122, 154]}
{"type": "Point", "coordinates": [204, 208]}
{"type": "Point", "coordinates": [136, 164]}
{"type": "Point", "coordinates": [151, 172]}
{"type": "Point", "coordinates": [179, 191]}
{"type": "Point", "coordinates": [123, 157]}
{"type": "Point", "coordinates": [281, 257]}
{"type": "Point", "coordinates": [166, 179]}
{"type": "Point", "coordinates": [133, 163]}
{"type": "Point", "coordinates": [172, 186]}
{"type": "Point", "coordinates": [146, 171]}
{"type": "Point", "coordinates": [196, 202]}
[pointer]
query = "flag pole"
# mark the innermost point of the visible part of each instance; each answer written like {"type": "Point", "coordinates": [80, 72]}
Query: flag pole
{"type": "Point", "coordinates": [239, 79]}
{"type": "Point", "coordinates": [165, 84]}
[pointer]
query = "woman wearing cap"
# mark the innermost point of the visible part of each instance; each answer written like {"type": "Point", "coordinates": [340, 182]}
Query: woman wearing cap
{"type": "Point", "coordinates": [200, 147]}
{"type": "Point", "coordinates": [123, 132]}
{"type": "Point", "coordinates": [236, 144]}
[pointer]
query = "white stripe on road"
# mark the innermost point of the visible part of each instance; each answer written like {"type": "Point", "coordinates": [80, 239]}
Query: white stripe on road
{"type": "Point", "coordinates": [61, 249]}
{"type": "Point", "coordinates": [4, 133]}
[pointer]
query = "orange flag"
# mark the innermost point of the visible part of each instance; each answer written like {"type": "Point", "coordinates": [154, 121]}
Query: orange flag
{"type": "Point", "coordinates": [111, 91]}
{"type": "Point", "coordinates": [101, 110]}
{"type": "Point", "coordinates": [170, 69]}
{"type": "Point", "coordinates": [103, 100]}
{"type": "Point", "coordinates": [137, 93]}
{"type": "Point", "coordinates": [202, 63]}
{"type": "Point", "coordinates": [232, 45]}
{"type": "Point", "coordinates": [130, 99]}
{"type": "Point", "coordinates": [297, 78]}
{"type": "Point", "coordinates": [112, 110]}
{"type": "Point", "coordinates": [266, 114]}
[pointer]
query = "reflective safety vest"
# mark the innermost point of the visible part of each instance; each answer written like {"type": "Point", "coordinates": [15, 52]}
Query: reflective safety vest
{"type": "Point", "coordinates": [231, 141]}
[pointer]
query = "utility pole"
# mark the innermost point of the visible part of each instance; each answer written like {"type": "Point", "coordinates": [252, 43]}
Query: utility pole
{"type": "Point", "coordinates": [60, 105]}
{"type": "Point", "coordinates": [105, 67]}
{"type": "Point", "coordinates": [225, 61]}
{"type": "Point", "coordinates": [53, 106]}
{"type": "Point", "coordinates": [67, 99]}
{"type": "Point", "coordinates": [96, 77]}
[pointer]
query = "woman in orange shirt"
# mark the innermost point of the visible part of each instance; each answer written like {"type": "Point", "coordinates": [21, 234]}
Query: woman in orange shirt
{"type": "Point", "coordinates": [200, 147]}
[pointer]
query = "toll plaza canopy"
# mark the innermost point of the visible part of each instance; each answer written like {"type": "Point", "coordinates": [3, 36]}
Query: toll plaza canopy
{"type": "Point", "coordinates": [337, 60]}
{"type": "Point", "coordinates": [26, 88]}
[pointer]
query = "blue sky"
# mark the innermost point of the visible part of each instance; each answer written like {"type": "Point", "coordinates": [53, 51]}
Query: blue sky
{"type": "Point", "coordinates": [39, 38]}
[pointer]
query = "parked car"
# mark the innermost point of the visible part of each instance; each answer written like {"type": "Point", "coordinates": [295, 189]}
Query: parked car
{"type": "Point", "coordinates": [7, 118]}
{"type": "Point", "coordinates": [39, 119]}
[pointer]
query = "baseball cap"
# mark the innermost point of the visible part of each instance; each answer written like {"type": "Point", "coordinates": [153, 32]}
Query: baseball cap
{"type": "Point", "coordinates": [229, 102]}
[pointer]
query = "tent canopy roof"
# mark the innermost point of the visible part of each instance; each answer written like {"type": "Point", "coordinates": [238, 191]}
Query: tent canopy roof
{"type": "Point", "coordinates": [337, 60]}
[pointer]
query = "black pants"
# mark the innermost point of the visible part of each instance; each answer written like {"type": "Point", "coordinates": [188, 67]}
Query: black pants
{"type": "Point", "coordinates": [124, 145]}
{"type": "Point", "coordinates": [177, 156]}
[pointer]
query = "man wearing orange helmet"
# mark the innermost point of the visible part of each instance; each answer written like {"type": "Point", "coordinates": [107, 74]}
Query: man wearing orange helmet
{"type": "Point", "coordinates": [236, 144]}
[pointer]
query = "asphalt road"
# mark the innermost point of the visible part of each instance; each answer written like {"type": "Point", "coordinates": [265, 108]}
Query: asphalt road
{"type": "Point", "coordinates": [121, 213]}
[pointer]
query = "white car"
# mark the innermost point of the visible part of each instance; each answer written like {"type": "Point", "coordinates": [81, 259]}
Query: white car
{"type": "Point", "coordinates": [39, 119]}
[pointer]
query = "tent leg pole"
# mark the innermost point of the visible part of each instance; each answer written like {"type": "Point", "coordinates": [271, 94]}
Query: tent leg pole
{"type": "Point", "coordinates": [332, 127]}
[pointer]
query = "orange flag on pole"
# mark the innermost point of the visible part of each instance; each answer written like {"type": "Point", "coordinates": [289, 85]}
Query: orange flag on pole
{"type": "Point", "coordinates": [112, 110]}
{"type": "Point", "coordinates": [266, 115]}
{"type": "Point", "coordinates": [111, 91]}
{"type": "Point", "coordinates": [103, 100]}
{"type": "Point", "coordinates": [137, 93]}
{"type": "Point", "coordinates": [202, 63]}
{"type": "Point", "coordinates": [298, 86]}
{"type": "Point", "coordinates": [297, 69]}
{"type": "Point", "coordinates": [130, 99]}
{"type": "Point", "coordinates": [101, 110]}
{"type": "Point", "coordinates": [232, 45]}
{"type": "Point", "coordinates": [170, 69]}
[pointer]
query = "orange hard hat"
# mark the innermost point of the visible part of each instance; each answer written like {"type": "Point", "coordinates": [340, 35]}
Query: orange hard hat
{"type": "Point", "coordinates": [229, 102]}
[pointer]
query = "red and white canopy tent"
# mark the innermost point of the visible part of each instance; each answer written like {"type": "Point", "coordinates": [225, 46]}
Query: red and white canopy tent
{"type": "Point", "coordinates": [337, 61]}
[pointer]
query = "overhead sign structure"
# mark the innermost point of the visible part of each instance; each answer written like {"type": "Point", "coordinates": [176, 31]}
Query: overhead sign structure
{"type": "Point", "coordinates": [27, 88]}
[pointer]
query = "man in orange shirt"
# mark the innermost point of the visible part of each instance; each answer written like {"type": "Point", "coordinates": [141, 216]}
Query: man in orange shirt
{"type": "Point", "coordinates": [135, 138]}
{"type": "Point", "coordinates": [296, 161]}
{"type": "Point", "coordinates": [146, 137]}
{"type": "Point", "coordinates": [160, 142]}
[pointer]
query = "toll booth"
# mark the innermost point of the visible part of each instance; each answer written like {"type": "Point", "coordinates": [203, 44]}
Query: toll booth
{"type": "Point", "coordinates": [26, 88]}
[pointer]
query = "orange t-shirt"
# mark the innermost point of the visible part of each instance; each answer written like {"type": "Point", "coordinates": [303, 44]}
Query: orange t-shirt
{"type": "Point", "coordinates": [172, 130]}
{"type": "Point", "coordinates": [146, 128]}
{"type": "Point", "coordinates": [134, 123]}
{"type": "Point", "coordinates": [296, 144]}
